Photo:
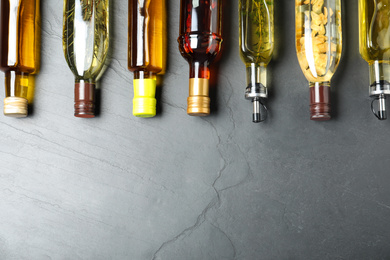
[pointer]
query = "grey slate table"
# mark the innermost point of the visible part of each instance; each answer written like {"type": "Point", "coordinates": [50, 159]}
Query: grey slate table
{"type": "Point", "coordinates": [179, 187]}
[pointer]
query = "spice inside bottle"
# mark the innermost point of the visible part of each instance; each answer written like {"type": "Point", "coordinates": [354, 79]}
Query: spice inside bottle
{"type": "Point", "coordinates": [318, 46]}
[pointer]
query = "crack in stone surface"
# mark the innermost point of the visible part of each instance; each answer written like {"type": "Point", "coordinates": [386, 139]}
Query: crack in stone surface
{"type": "Point", "coordinates": [215, 203]}
{"type": "Point", "coordinates": [228, 238]}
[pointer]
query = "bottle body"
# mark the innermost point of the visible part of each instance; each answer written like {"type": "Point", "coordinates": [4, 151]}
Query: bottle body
{"type": "Point", "coordinates": [19, 52]}
{"type": "Point", "coordinates": [256, 37]}
{"type": "Point", "coordinates": [318, 46]}
{"type": "Point", "coordinates": [146, 52]}
{"type": "Point", "coordinates": [85, 44]}
{"type": "Point", "coordinates": [199, 43]}
{"type": "Point", "coordinates": [374, 46]}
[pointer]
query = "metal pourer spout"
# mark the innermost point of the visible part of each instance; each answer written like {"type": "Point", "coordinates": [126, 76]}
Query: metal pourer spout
{"type": "Point", "coordinates": [381, 114]}
{"type": "Point", "coordinates": [256, 110]}
{"type": "Point", "coordinates": [258, 114]}
{"type": "Point", "coordinates": [257, 93]}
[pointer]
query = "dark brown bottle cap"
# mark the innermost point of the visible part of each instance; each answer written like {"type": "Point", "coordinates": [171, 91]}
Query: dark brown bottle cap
{"type": "Point", "coordinates": [84, 97]}
{"type": "Point", "coordinates": [320, 102]}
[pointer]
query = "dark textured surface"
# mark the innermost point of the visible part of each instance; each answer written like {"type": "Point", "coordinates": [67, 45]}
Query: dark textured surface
{"type": "Point", "coordinates": [179, 187]}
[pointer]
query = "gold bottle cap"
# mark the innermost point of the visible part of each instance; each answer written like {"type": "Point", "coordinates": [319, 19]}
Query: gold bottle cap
{"type": "Point", "coordinates": [15, 107]}
{"type": "Point", "coordinates": [198, 103]}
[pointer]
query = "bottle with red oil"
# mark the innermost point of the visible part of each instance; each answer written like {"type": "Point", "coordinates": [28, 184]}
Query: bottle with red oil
{"type": "Point", "coordinates": [199, 43]}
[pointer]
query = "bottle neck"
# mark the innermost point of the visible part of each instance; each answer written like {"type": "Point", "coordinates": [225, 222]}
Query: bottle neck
{"type": "Point", "coordinates": [16, 84]}
{"type": "Point", "coordinates": [199, 70]}
{"type": "Point", "coordinates": [198, 102]}
{"type": "Point", "coordinates": [144, 75]}
{"type": "Point", "coordinates": [256, 78]}
{"type": "Point", "coordinates": [16, 90]}
{"type": "Point", "coordinates": [84, 81]}
{"type": "Point", "coordinates": [256, 74]}
{"type": "Point", "coordinates": [379, 78]}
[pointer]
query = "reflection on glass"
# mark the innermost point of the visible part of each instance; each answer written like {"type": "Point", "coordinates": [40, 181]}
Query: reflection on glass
{"type": "Point", "coordinates": [85, 44]}
{"type": "Point", "coordinates": [147, 52]}
{"type": "Point", "coordinates": [19, 52]}
{"type": "Point", "coordinates": [200, 42]}
{"type": "Point", "coordinates": [256, 48]}
{"type": "Point", "coordinates": [318, 46]}
{"type": "Point", "coordinates": [374, 27]}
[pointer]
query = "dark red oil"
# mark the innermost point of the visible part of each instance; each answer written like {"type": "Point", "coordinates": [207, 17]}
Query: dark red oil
{"type": "Point", "coordinates": [200, 34]}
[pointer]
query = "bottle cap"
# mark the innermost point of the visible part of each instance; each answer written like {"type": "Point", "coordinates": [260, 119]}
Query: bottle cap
{"type": "Point", "coordinates": [320, 102]}
{"type": "Point", "coordinates": [198, 103]}
{"type": "Point", "coordinates": [15, 107]}
{"type": "Point", "coordinates": [144, 102]}
{"type": "Point", "coordinates": [84, 105]}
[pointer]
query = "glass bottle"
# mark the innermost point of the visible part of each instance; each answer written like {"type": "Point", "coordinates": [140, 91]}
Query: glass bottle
{"type": "Point", "coordinates": [85, 42]}
{"type": "Point", "coordinates": [199, 43]}
{"type": "Point", "coordinates": [256, 48]}
{"type": "Point", "coordinates": [374, 45]}
{"type": "Point", "coordinates": [19, 52]}
{"type": "Point", "coordinates": [318, 46]}
{"type": "Point", "coordinates": [147, 52]}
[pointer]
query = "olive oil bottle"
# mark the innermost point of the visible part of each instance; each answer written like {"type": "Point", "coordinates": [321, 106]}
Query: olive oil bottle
{"type": "Point", "coordinates": [85, 38]}
{"type": "Point", "coordinates": [374, 45]}
{"type": "Point", "coordinates": [318, 44]}
{"type": "Point", "coordinates": [256, 48]}
{"type": "Point", "coordinates": [147, 52]}
{"type": "Point", "coordinates": [19, 52]}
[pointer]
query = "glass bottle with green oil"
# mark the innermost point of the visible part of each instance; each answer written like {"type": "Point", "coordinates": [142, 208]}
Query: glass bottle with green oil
{"type": "Point", "coordinates": [256, 48]}
{"type": "Point", "coordinates": [85, 44]}
{"type": "Point", "coordinates": [374, 45]}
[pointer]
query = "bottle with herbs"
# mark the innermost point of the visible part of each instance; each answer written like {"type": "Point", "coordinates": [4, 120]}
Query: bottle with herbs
{"type": "Point", "coordinates": [318, 45]}
{"type": "Point", "coordinates": [256, 36]}
{"type": "Point", "coordinates": [374, 28]}
{"type": "Point", "coordinates": [85, 43]}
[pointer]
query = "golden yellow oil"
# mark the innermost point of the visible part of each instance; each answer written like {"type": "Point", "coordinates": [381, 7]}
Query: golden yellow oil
{"type": "Point", "coordinates": [318, 38]}
{"type": "Point", "coordinates": [256, 31]}
{"type": "Point", "coordinates": [157, 34]}
{"type": "Point", "coordinates": [374, 29]}
{"type": "Point", "coordinates": [20, 51]}
{"type": "Point", "coordinates": [147, 36]}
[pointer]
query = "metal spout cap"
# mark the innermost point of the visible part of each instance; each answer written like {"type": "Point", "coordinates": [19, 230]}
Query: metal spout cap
{"type": "Point", "coordinates": [260, 111]}
{"type": "Point", "coordinates": [256, 118]}
{"type": "Point", "coordinates": [15, 107]}
{"type": "Point", "coordinates": [381, 114]}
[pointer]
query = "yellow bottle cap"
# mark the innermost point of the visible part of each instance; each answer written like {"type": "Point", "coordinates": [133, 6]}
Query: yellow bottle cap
{"type": "Point", "coordinates": [144, 102]}
{"type": "Point", "coordinates": [15, 107]}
